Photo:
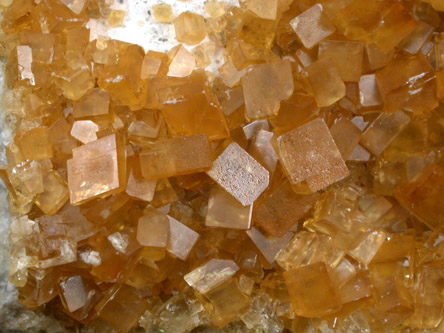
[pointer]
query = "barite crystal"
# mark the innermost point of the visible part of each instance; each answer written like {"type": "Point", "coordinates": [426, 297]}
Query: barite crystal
{"type": "Point", "coordinates": [239, 174]}
{"type": "Point", "coordinates": [96, 169]}
{"type": "Point", "coordinates": [312, 291]}
{"type": "Point", "coordinates": [265, 86]}
{"type": "Point", "coordinates": [312, 26]}
{"type": "Point", "coordinates": [224, 211]}
{"type": "Point", "coordinates": [210, 275]}
{"type": "Point", "coordinates": [310, 157]}
{"type": "Point", "coordinates": [190, 28]}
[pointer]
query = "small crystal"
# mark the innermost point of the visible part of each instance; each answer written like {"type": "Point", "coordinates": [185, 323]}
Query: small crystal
{"type": "Point", "coordinates": [175, 157]}
{"type": "Point", "coordinates": [383, 131]}
{"type": "Point", "coordinates": [310, 157]}
{"type": "Point", "coordinates": [190, 28]}
{"type": "Point", "coordinates": [73, 292]}
{"type": "Point", "coordinates": [368, 91]}
{"type": "Point", "coordinates": [239, 174]}
{"type": "Point", "coordinates": [85, 131]}
{"type": "Point", "coordinates": [269, 246]}
{"type": "Point", "coordinates": [212, 274]}
{"type": "Point", "coordinates": [94, 103]}
{"type": "Point", "coordinates": [312, 26]}
{"type": "Point", "coordinates": [266, 9]}
{"type": "Point", "coordinates": [311, 290]}
{"type": "Point", "coordinates": [181, 239]}
{"type": "Point", "coordinates": [265, 86]}
{"type": "Point", "coordinates": [224, 211]}
{"type": "Point", "coordinates": [163, 13]}
{"type": "Point", "coordinates": [182, 62]}
{"type": "Point", "coordinates": [153, 229]}
{"type": "Point", "coordinates": [346, 56]}
{"type": "Point", "coordinates": [325, 82]}
{"type": "Point", "coordinates": [96, 169]}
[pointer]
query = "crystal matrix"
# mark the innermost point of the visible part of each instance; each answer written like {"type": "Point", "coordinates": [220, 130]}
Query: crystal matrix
{"type": "Point", "coordinates": [278, 169]}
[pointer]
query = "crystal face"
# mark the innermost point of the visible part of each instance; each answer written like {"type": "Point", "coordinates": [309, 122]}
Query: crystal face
{"type": "Point", "coordinates": [248, 166]}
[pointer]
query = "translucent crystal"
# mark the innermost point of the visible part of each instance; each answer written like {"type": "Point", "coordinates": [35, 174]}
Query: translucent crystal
{"type": "Point", "coordinates": [224, 211]}
{"type": "Point", "coordinates": [264, 9]}
{"type": "Point", "coordinates": [84, 131]}
{"type": "Point", "coordinates": [265, 86]}
{"type": "Point", "coordinates": [96, 169]}
{"type": "Point", "coordinates": [346, 56]}
{"type": "Point", "coordinates": [153, 229]}
{"type": "Point", "coordinates": [384, 130]}
{"type": "Point", "coordinates": [312, 291]}
{"type": "Point", "coordinates": [312, 26]}
{"type": "Point", "coordinates": [368, 91]}
{"type": "Point", "coordinates": [174, 157]}
{"type": "Point", "coordinates": [54, 195]}
{"type": "Point", "coordinates": [212, 274]}
{"type": "Point", "coordinates": [94, 103]}
{"type": "Point", "coordinates": [325, 82]}
{"type": "Point", "coordinates": [190, 28]}
{"type": "Point", "coordinates": [163, 13]}
{"type": "Point", "coordinates": [267, 245]}
{"type": "Point", "coordinates": [181, 239]}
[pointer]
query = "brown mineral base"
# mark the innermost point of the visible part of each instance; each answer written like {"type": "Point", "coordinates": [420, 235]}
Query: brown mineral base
{"type": "Point", "coordinates": [301, 189]}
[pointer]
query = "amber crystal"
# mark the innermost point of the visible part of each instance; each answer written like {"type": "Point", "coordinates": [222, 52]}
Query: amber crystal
{"type": "Point", "coordinates": [254, 166]}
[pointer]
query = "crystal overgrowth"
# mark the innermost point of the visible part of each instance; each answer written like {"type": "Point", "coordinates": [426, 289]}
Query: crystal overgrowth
{"type": "Point", "coordinates": [280, 169]}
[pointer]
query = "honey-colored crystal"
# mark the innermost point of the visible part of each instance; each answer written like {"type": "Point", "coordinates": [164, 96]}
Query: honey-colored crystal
{"type": "Point", "coordinates": [384, 130]}
{"type": "Point", "coordinates": [94, 103]}
{"type": "Point", "coordinates": [279, 169]}
{"type": "Point", "coordinates": [181, 239]}
{"type": "Point", "coordinates": [224, 211]}
{"type": "Point", "coordinates": [175, 157]}
{"type": "Point", "coordinates": [153, 229]}
{"type": "Point", "coordinates": [265, 86]}
{"type": "Point", "coordinates": [312, 291]}
{"type": "Point", "coordinates": [84, 131]}
{"type": "Point", "coordinates": [312, 26]}
{"type": "Point", "coordinates": [34, 144]}
{"type": "Point", "coordinates": [346, 56]}
{"type": "Point", "coordinates": [226, 303]}
{"type": "Point", "coordinates": [263, 9]}
{"type": "Point", "coordinates": [96, 169]}
{"type": "Point", "coordinates": [163, 13]}
{"type": "Point", "coordinates": [190, 28]}
{"type": "Point", "coordinates": [310, 157]}
{"type": "Point", "coordinates": [325, 82]}
{"type": "Point", "coordinates": [54, 195]}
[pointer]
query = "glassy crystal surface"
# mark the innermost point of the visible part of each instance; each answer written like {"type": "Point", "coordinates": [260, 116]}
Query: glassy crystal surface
{"type": "Point", "coordinates": [312, 26]}
{"type": "Point", "coordinates": [181, 239]}
{"type": "Point", "coordinates": [311, 291]}
{"type": "Point", "coordinates": [224, 211]}
{"type": "Point", "coordinates": [265, 86]}
{"type": "Point", "coordinates": [210, 275]}
{"type": "Point", "coordinates": [96, 169]}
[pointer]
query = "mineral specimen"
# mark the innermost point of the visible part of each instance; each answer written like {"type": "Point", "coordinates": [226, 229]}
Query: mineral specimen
{"type": "Point", "coordinates": [279, 169]}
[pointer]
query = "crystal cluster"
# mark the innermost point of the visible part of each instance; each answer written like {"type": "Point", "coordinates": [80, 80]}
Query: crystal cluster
{"type": "Point", "coordinates": [299, 189]}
